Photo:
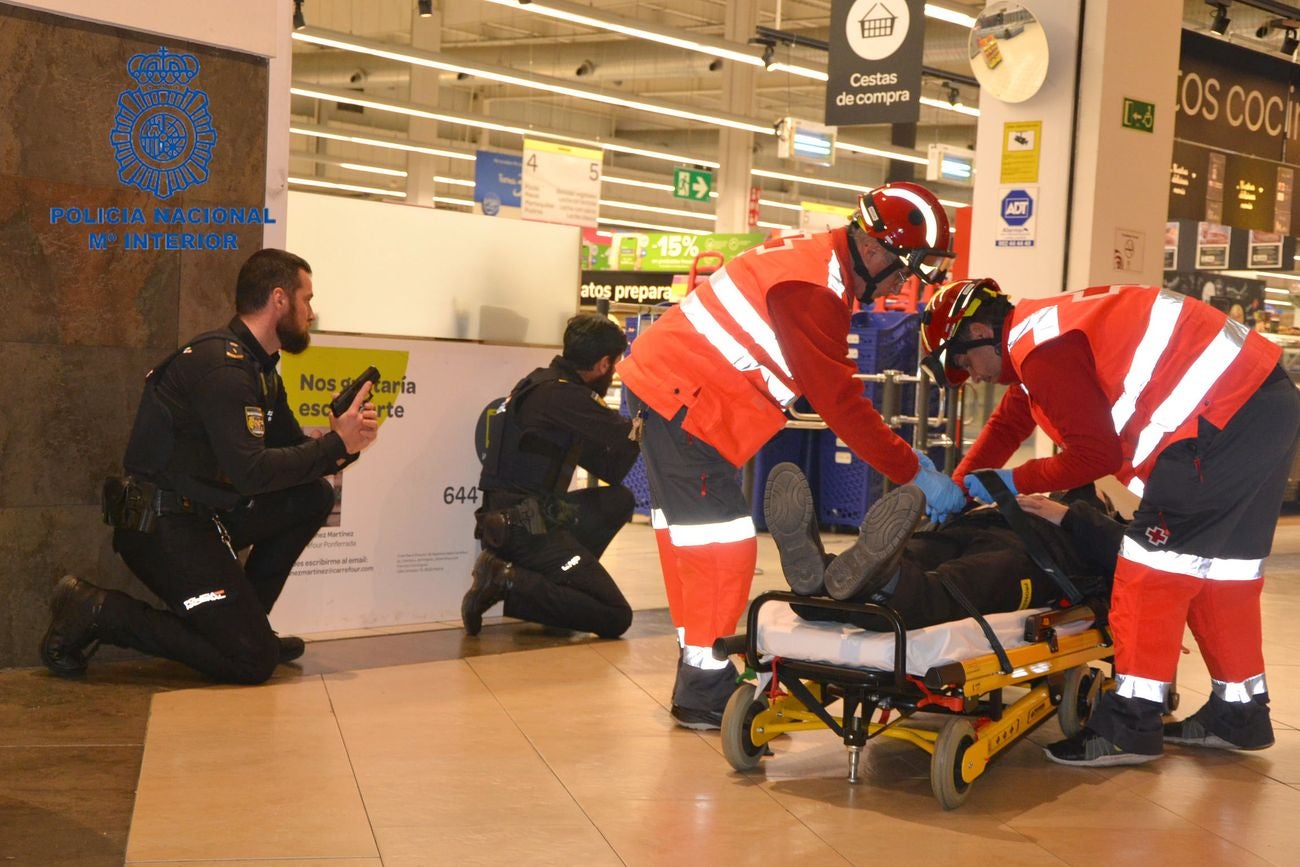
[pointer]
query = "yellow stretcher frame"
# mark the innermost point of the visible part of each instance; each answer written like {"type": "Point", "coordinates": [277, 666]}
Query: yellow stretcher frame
{"type": "Point", "coordinates": [1056, 673]}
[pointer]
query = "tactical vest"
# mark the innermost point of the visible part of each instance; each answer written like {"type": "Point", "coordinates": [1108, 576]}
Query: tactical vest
{"type": "Point", "coordinates": [527, 461]}
{"type": "Point", "coordinates": [155, 452]}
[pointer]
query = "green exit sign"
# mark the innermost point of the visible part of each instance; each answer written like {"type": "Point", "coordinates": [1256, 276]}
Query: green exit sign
{"type": "Point", "coordinates": [1139, 115]}
{"type": "Point", "coordinates": [692, 184]}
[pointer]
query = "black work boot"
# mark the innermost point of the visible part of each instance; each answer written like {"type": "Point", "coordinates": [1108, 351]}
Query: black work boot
{"type": "Point", "coordinates": [493, 578]}
{"type": "Point", "coordinates": [872, 560]}
{"type": "Point", "coordinates": [1223, 725]}
{"type": "Point", "coordinates": [791, 518]}
{"type": "Point", "coordinates": [71, 639]}
{"type": "Point", "coordinates": [291, 647]}
{"type": "Point", "coordinates": [700, 695]}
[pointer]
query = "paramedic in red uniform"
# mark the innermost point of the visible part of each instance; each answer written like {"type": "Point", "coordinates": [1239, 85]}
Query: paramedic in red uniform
{"type": "Point", "coordinates": [710, 381]}
{"type": "Point", "coordinates": [1191, 411]}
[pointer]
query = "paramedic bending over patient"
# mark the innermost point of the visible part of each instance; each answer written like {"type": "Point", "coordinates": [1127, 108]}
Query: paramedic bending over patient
{"type": "Point", "coordinates": [1192, 412]}
{"type": "Point", "coordinates": [710, 380]}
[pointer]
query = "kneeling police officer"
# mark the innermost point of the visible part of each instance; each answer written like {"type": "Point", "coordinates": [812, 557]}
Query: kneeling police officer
{"type": "Point", "coordinates": [216, 463]}
{"type": "Point", "coordinates": [542, 543]}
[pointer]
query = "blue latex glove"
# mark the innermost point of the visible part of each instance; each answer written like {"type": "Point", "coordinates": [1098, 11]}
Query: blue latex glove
{"type": "Point", "coordinates": [977, 490]}
{"type": "Point", "coordinates": [943, 498]}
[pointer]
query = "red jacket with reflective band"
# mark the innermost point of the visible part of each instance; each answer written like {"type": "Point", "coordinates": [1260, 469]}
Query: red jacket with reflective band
{"type": "Point", "coordinates": [718, 353]}
{"type": "Point", "coordinates": [1163, 361]}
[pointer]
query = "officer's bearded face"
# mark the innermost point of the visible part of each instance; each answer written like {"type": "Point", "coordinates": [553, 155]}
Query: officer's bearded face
{"type": "Point", "coordinates": [293, 327]}
{"type": "Point", "coordinates": [601, 386]}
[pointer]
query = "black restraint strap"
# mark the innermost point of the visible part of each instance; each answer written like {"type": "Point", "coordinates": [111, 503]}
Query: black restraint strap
{"type": "Point", "coordinates": [1011, 510]}
{"type": "Point", "coordinates": [998, 650]}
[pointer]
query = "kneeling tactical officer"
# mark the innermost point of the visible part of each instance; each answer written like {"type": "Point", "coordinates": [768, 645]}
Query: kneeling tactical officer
{"type": "Point", "coordinates": [542, 543]}
{"type": "Point", "coordinates": [217, 463]}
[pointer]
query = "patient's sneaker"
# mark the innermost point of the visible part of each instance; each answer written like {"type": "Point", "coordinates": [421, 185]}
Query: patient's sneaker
{"type": "Point", "coordinates": [1088, 749]}
{"type": "Point", "coordinates": [1222, 725]}
{"type": "Point", "coordinates": [872, 561]}
{"type": "Point", "coordinates": [792, 521]}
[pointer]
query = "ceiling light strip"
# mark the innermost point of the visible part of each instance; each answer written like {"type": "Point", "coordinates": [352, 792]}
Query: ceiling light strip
{"type": "Point", "coordinates": [635, 224]}
{"type": "Point", "coordinates": [347, 97]}
{"type": "Point", "coordinates": [652, 209]}
{"type": "Point", "coordinates": [950, 106]}
{"type": "Point", "coordinates": [391, 144]}
{"type": "Point", "coordinates": [587, 17]}
{"type": "Point", "coordinates": [380, 104]}
{"type": "Point", "coordinates": [351, 188]}
{"type": "Point", "coordinates": [952, 16]}
{"type": "Point", "coordinates": [435, 60]}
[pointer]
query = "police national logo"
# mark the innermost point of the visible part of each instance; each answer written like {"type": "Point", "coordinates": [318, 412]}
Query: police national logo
{"type": "Point", "coordinates": [163, 135]}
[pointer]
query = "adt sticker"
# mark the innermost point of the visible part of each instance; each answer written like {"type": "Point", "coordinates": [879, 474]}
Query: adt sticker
{"type": "Point", "coordinates": [1017, 207]}
{"type": "Point", "coordinates": [1018, 210]}
{"type": "Point", "coordinates": [163, 135]}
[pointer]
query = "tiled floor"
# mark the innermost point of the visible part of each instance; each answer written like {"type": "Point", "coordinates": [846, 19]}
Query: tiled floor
{"type": "Point", "coordinates": [527, 747]}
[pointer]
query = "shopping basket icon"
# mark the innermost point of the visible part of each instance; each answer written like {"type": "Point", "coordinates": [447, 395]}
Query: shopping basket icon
{"type": "Point", "coordinates": [875, 24]}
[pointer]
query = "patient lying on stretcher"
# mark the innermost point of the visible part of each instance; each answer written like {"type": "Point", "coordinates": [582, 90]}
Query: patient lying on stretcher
{"type": "Point", "coordinates": [915, 573]}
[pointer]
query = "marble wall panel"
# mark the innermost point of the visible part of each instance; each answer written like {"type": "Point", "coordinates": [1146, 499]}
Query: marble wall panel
{"type": "Point", "coordinates": [60, 291]}
{"type": "Point", "coordinates": [207, 286]}
{"type": "Point", "coordinates": [82, 325]}
{"type": "Point", "coordinates": [72, 431]}
{"type": "Point", "coordinates": [50, 541]}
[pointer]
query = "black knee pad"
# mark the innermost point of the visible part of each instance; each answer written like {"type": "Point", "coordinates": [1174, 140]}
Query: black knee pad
{"type": "Point", "coordinates": [254, 662]}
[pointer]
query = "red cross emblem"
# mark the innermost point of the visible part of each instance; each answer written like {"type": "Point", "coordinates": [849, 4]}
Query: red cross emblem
{"type": "Point", "coordinates": [1157, 535]}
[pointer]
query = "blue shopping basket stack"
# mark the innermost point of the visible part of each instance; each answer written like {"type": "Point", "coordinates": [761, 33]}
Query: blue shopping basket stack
{"type": "Point", "coordinates": [847, 485]}
{"type": "Point", "coordinates": [794, 446]}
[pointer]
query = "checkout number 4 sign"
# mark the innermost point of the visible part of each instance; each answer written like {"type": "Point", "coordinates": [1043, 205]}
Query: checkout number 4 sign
{"type": "Point", "coordinates": [561, 183]}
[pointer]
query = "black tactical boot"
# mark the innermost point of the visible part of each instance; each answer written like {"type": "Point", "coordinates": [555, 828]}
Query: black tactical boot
{"type": "Point", "coordinates": [791, 518]}
{"type": "Point", "coordinates": [872, 561]}
{"type": "Point", "coordinates": [493, 578]}
{"type": "Point", "coordinates": [71, 638]}
{"type": "Point", "coordinates": [291, 647]}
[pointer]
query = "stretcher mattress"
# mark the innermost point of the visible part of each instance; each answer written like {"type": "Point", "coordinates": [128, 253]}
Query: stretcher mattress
{"type": "Point", "coordinates": [785, 634]}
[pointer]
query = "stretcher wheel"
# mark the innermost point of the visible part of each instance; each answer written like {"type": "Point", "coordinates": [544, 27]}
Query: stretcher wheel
{"type": "Point", "coordinates": [737, 720]}
{"type": "Point", "coordinates": [1078, 694]}
{"type": "Point", "coordinates": [946, 781]}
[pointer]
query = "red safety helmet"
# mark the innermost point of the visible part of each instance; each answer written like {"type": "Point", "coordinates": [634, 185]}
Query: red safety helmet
{"type": "Point", "coordinates": [943, 317]}
{"type": "Point", "coordinates": [909, 222]}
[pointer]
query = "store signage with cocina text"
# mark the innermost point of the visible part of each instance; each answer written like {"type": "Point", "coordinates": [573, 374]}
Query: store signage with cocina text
{"type": "Point", "coordinates": [1236, 137]}
{"type": "Point", "coordinates": [874, 72]}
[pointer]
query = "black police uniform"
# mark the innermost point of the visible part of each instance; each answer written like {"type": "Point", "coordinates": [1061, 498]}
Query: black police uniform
{"type": "Point", "coordinates": [552, 422]}
{"type": "Point", "coordinates": [990, 565]}
{"type": "Point", "coordinates": [232, 468]}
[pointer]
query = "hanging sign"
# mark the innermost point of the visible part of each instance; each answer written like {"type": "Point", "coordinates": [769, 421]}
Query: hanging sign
{"type": "Point", "coordinates": [497, 183]}
{"type": "Point", "coordinates": [875, 62]}
{"type": "Point", "coordinates": [561, 183]}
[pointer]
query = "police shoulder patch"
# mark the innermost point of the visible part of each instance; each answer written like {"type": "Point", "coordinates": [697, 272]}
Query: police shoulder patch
{"type": "Point", "coordinates": [234, 350]}
{"type": "Point", "coordinates": [255, 420]}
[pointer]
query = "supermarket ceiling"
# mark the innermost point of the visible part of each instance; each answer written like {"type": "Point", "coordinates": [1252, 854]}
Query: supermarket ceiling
{"type": "Point", "coordinates": [487, 70]}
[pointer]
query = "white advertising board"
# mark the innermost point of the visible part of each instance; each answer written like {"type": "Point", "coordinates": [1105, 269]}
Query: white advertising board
{"type": "Point", "coordinates": [402, 270]}
{"type": "Point", "coordinates": [399, 547]}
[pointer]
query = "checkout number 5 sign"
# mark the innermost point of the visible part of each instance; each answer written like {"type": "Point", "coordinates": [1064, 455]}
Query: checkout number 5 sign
{"type": "Point", "coordinates": [561, 183]}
